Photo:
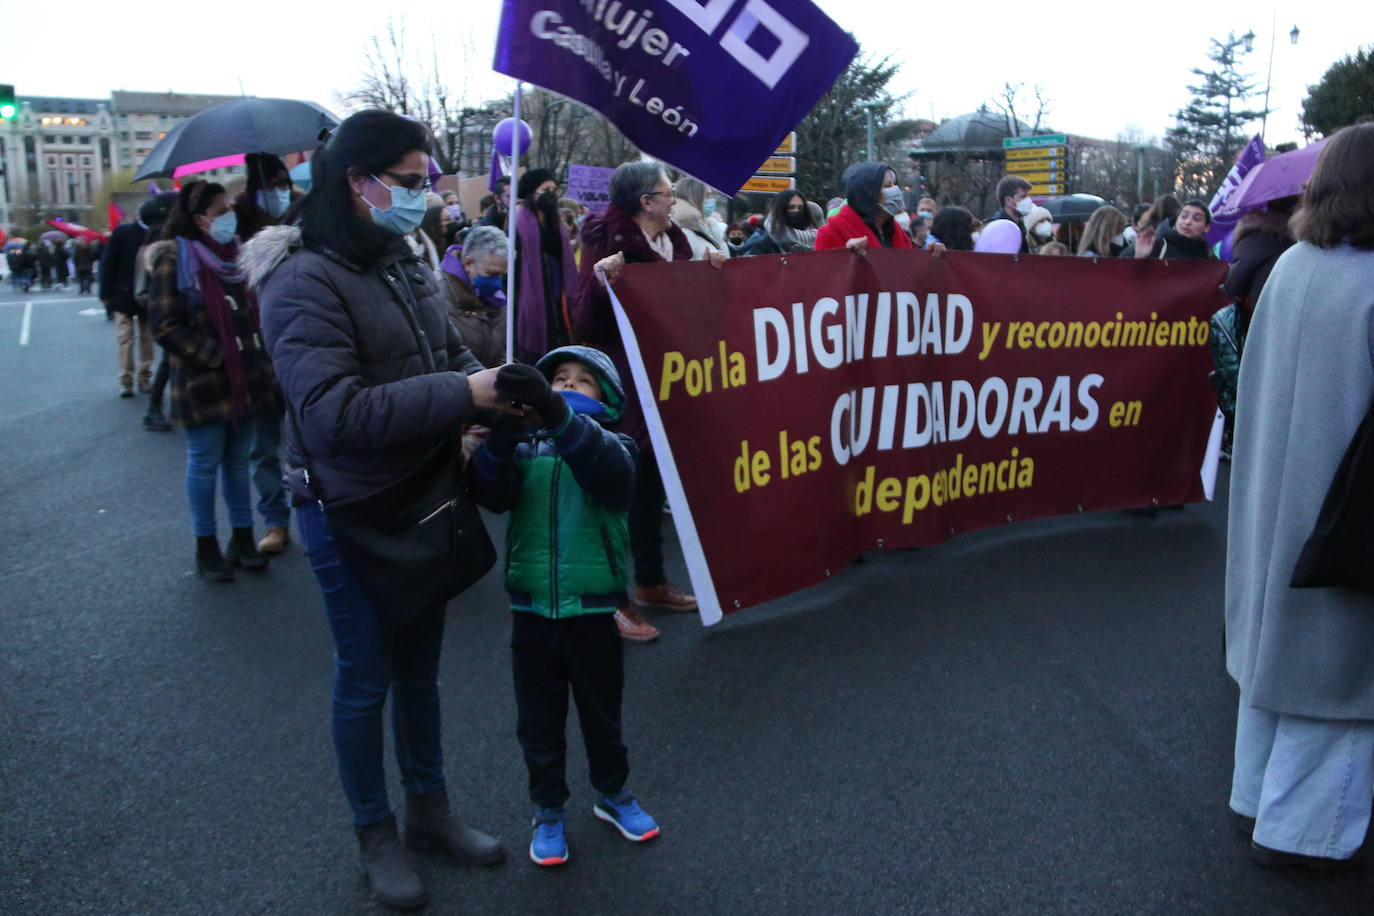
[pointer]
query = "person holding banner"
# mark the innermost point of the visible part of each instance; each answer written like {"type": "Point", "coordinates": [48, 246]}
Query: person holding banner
{"type": "Point", "coordinates": [869, 215]}
{"type": "Point", "coordinates": [637, 228]}
{"type": "Point", "coordinates": [544, 268]}
{"type": "Point", "coordinates": [1304, 657]}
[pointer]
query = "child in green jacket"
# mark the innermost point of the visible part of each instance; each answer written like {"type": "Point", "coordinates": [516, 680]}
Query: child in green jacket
{"type": "Point", "coordinates": [567, 486]}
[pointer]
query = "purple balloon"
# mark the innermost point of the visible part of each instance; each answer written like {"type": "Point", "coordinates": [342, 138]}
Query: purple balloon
{"type": "Point", "coordinates": [1001, 236]}
{"type": "Point", "coordinates": [504, 134]}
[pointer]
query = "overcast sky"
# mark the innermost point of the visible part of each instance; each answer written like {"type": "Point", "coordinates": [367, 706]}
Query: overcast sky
{"type": "Point", "coordinates": [1106, 66]}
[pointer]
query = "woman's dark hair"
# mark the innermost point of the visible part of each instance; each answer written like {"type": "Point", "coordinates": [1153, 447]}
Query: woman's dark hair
{"type": "Point", "coordinates": [194, 199]}
{"type": "Point", "coordinates": [1338, 202]}
{"type": "Point", "coordinates": [430, 227]}
{"type": "Point", "coordinates": [953, 226]}
{"type": "Point", "coordinates": [364, 144]}
{"type": "Point", "coordinates": [264, 170]}
{"type": "Point", "coordinates": [777, 212]}
{"type": "Point", "coordinates": [1165, 207]}
{"type": "Point", "coordinates": [1201, 205]}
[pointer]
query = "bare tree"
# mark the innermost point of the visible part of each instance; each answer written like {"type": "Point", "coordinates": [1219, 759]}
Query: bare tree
{"type": "Point", "coordinates": [1010, 100]}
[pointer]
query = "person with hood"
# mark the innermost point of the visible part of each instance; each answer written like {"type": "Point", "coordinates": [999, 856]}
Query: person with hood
{"type": "Point", "coordinates": [1014, 203]}
{"type": "Point", "coordinates": [473, 277]}
{"type": "Point", "coordinates": [869, 215]}
{"type": "Point", "coordinates": [265, 197]}
{"type": "Point", "coordinates": [375, 378]}
{"type": "Point", "coordinates": [207, 319]}
{"type": "Point", "coordinates": [544, 268]}
{"type": "Point", "coordinates": [1303, 658]}
{"type": "Point", "coordinates": [1186, 238]}
{"type": "Point", "coordinates": [704, 233]}
{"type": "Point", "coordinates": [123, 291]}
{"type": "Point", "coordinates": [568, 487]}
{"type": "Point", "coordinates": [637, 228]}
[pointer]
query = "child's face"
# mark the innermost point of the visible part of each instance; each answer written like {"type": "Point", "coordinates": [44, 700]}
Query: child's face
{"type": "Point", "coordinates": [574, 376]}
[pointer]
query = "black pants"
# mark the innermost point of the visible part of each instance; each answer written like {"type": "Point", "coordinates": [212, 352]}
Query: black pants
{"type": "Point", "coordinates": [646, 521]}
{"type": "Point", "coordinates": [587, 654]}
{"type": "Point", "coordinates": [164, 371]}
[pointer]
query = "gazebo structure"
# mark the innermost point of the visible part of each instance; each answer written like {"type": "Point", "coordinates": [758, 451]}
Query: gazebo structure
{"type": "Point", "coordinates": [963, 158]}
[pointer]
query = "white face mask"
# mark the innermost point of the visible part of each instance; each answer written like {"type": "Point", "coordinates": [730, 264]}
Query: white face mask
{"type": "Point", "coordinates": [1024, 205]}
{"type": "Point", "coordinates": [892, 199]}
{"type": "Point", "coordinates": [1128, 235]}
{"type": "Point", "coordinates": [976, 234]}
{"type": "Point", "coordinates": [1042, 230]}
{"type": "Point", "coordinates": [904, 220]}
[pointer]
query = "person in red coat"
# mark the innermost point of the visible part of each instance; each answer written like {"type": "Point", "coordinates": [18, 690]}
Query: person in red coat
{"type": "Point", "coordinates": [868, 217]}
{"type": "Point", "coordinates": [637, 228]}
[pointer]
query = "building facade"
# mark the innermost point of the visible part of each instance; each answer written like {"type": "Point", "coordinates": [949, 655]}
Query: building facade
{"type": "Point", "coordinates": [58, 154]}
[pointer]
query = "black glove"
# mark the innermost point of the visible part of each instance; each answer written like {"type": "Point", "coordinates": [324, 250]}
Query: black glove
{"type": "Point", "coordinates": [505, 435]}
{"type": "Point", "coordinates": [526, 385]}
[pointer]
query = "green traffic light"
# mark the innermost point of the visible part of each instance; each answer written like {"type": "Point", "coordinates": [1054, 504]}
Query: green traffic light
{"type": "Point", "coordinates": [7, 111]}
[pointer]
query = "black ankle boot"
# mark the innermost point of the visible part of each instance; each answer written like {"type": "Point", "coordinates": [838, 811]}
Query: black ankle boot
{"type": "Point", "coordinates": [210, 563]}
{"type": "Point", "coordinates": [243, 551]}
{"type": "Point", "coordinates": [383, 861]}
{"type": "Point", "coordinates": [432, 826]}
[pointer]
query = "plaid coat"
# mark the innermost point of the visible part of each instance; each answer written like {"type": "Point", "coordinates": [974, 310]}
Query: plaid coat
{"type": "Point", "coordinates": [199, 381]}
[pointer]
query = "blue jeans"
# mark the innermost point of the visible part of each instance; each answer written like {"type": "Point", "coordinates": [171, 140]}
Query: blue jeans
{"type": "Point", "coordinates": [218, 448]}
{"type": "Point", "coordinates": [371, 660]}
{"type": "Point", "coordinates": [265, 460]}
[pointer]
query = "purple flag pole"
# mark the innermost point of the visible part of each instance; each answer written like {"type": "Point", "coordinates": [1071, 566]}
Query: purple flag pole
{"type": "Point", "coordinates": [510, 230]}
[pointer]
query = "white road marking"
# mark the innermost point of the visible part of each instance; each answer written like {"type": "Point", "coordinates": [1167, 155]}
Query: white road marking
{"type": "Point", "coordinates": [24, 324]}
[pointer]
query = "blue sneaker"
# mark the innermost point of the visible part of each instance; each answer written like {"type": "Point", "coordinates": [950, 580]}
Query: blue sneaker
{"type": "Point", "coordinates": [549, 846]}
{"type": "Point", "coordinates": [624, 814]}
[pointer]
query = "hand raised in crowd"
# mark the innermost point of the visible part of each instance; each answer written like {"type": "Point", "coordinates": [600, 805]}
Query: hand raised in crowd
{"type": "Point", "coordinates": [482, 385]}
{"type": "Point", "coordinates": [1145, 242]}
{"type": "Point", "coordinates": [522, 384]}
{"type": "Point", "coordinates": [936, 249]}
{"type": "Point", "coordinates": [717, 258]}
{"type": "Point", "coordinates": [857, 245]}
{"type": "Point", "coordinates": [609, 268]}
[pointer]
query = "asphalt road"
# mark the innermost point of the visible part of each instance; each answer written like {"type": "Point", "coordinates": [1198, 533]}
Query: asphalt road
{"type": "Point", "coordinates": [1028, 720]}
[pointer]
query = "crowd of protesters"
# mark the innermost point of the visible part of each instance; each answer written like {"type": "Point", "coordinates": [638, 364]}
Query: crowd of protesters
{"type": "Point", "coordinates": [323, 344]}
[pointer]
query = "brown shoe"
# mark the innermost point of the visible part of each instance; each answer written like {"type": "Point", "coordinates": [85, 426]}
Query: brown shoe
{"type": "Point", "coordinates": [275, 540]}
{"type": "Point", "coordinates": [667, 596]}
{"type": "Point", "coordinates": [633, 627]}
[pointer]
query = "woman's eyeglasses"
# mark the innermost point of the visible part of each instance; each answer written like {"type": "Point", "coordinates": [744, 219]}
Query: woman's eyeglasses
{"type": "Point", "coordinates": [415, 184]}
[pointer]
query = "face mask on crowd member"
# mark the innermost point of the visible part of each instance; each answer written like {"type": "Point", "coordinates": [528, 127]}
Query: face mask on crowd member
{"type": "Point", "coordinates": [1024, 205]}
{"type": "Point", "coordinates": [219, 221]}
{"type": "Point", "coordinates": [903, 220]}
{"type": "Point", "coordinates": [401, 188]}
{"type": "Point", "coordinates": [892, 200]}
{"type": "Point", "coordinates": [487, 275]}
{"type": "Point", "coordinates": [797, 215]}
{"type": "Point", "coordinates": [709, 207]}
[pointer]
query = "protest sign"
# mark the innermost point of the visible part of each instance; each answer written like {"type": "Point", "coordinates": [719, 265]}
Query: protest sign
{"type": "Point", "coordinates": [809, 407]}
{"type": "Point", "coordinates": [590, 185]}
{"type": "Point", "coordinates": [710, 87]}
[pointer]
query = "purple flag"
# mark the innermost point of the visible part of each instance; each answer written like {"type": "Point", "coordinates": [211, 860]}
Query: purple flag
{"type": "Point", "coordinates": [497, 172]}
{"type": "Point", "coordinates": [710, 86]}
{"type": "Point", "coordinates": [1221, 226]}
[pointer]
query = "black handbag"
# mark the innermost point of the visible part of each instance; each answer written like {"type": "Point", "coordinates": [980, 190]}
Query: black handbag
{"type": "Point", "coordinates": [418, 541]}
{"type": "Point", "coordinates": [1340, 550]}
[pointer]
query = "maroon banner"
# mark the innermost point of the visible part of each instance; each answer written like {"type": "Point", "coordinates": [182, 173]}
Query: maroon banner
{"type": "Point", "coordinates": [807, 408]}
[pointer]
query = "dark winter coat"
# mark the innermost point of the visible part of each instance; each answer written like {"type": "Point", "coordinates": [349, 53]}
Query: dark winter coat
{"type": "Point", "coordinates": [482, 326]}
{"type": "Point", "coordinates": [568, 491]}
{"type": "Point", "coordinates": [343, 338]}
{"type": "Point", "coordinates": [117, 268]}
{"type": "Point", "coordinates": [592, 317]}
{"type": "Point", "coordinates": [1255, 251]}
{"type": "Point", "coordinates": [199, 381]}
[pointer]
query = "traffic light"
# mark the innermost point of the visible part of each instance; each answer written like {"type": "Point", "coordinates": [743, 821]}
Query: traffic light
{"type": "Point", "coordinates": [8, 106]}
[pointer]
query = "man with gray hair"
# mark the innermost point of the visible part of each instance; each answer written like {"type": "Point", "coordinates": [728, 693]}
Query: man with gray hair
{"type": "Point", "coordinates": [473, 276]}
{"type": "Point", "coordinates": [637, 228]}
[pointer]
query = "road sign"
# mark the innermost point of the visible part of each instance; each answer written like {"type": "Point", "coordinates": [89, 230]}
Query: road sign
{"type": "Point", "coordinates": [1034, 165]}
{"type": "Point", "coordinates": [1033, 152]}
{"type": "Point", "coordinates": [1041, 140]}
{"type": "Point", "coordinates": [785, 165]}
{"type": "Point", "coordinates": [1043, 177]}
{"type": "Point", "coordinates": [769, 184]}
{"type": "Point", "coordinates": [1045, 190]}
{"type": "Point", "coordinates": [788, 146]}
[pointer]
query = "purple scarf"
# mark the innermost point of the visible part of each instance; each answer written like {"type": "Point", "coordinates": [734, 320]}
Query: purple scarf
{"type": "Point", "coordinates": [531, 327]}
{"type": "Point", "coordinates": [203, 267]}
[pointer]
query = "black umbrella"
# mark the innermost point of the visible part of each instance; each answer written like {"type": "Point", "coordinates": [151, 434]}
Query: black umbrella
{"type": "Point", "coordinates": [1072, 208]}
{"type": "Point", "coordinates": [247, 125]}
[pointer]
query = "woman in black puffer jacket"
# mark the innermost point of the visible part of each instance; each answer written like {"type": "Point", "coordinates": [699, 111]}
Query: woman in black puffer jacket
{"type": "Point", "coordinates": [348, 311]}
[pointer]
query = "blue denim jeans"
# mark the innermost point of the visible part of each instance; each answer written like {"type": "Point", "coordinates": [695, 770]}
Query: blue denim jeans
{"type": "Point", "coordinates": [370, 661]}
{"type": "Point", "coordinates": [265, 461]}
{"type": "Point", "coordinates": [218, 448]}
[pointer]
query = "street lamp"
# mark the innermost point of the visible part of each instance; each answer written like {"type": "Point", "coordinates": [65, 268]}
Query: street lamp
{"type": "Point", "coordinates": [868, 110]}
{"type": "Point", "coordinates": [1249, 39]}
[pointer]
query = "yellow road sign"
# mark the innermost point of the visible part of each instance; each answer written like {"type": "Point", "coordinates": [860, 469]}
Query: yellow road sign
{"type": "Point", "coordinates": [788, 146]}
{"type": "Point", "coordinates": [778, 164]}
{"type": "Point", "coordinates": [769, 185]}
{"type": "Point", "coordinates": [1034, 152]}
{"type": "Point", "coordinates": [1035, 165]}
{"type": "Point", "coordinates": [1043, 177]}
{"type": "Point", "coordinates": [1044, 190]}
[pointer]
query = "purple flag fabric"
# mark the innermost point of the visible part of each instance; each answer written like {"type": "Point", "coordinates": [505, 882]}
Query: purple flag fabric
{"type": "Point", "coordinates": [710, 86]}
{"type": "Point", "coordinates": [1223, 224]}
{"type": "Point", "coordinates": [497, 172]}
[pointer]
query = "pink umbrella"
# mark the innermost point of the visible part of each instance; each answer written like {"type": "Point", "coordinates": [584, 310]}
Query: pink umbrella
{"type": "Point", "coordinates": [1282, 176]}
{"type": "Point", "coordinates": [205, 165]}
